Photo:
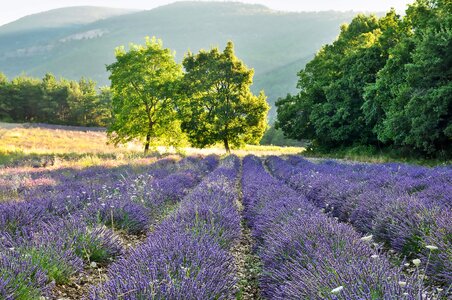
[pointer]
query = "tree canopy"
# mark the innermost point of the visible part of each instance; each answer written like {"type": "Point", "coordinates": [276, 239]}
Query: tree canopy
{"type": "Point", "coordinates": [143, 84]}
{"type": "Point", "coordinates": [55, 101]}
{"type": "Point", "coordinates": [218, 105]}
{"type": "Point", "coordinates": [384, 81]}
{"type": "Point", "coordinates": [410, 103]}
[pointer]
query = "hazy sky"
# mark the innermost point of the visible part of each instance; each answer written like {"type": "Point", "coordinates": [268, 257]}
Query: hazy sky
{"type": "Point", "coordinates": [11, 10]}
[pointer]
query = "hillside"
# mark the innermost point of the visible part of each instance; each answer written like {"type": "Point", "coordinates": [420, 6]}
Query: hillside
{"type": "Point", "coordinates": [271, 42]}
{"type": "Point", "coordinates": [62, 17]}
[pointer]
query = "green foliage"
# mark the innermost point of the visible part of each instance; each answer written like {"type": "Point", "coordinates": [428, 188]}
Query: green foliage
{"type": "Point", "coordinates": [328, 107]}
{"type": "Point", "coordinates": [90, 249]}
{"type": "Point", "coordinates": [412, 95]}
{"type": "Point", "coordinates": [374, 154]}
{"type": "Point", "coordinates": [5, 106]}
{"type": "Point", "coordinates": [27, 99]}
{"type": "Point", "coordinates": [143, 84]}
{"type": "Point", "coordinates": [273, 136]}
{"type": "Point", "coordinates": [384, 82]}
{"type": "Point", "coordinates": [51, 262]}
{"type": "Point", "coordinates": [218, 104]}
{"type": "Point", "coordinates": [21, 284]}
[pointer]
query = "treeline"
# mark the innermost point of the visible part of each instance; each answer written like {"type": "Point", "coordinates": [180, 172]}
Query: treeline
{"type": "Point", "coordinates": [54, 101]}
{"type": "Point", "coordinates": [385, 82]}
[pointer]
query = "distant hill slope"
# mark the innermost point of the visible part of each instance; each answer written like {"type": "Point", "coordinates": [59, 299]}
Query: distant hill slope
{"type": "Point", "coordinates": [276, 44]}
{"type": "Point", "coordinates": [63, 17]}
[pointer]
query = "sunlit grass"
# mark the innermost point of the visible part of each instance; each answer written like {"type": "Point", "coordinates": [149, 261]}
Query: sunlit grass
{"type": "Point", "coordinates": [56, 140]}
{"type": "Point", "coordinates": [258, 150]}
{"type": "Point", "coordinates": [41, 146]}
{"type": "Point", "coordinates": [25, 150]}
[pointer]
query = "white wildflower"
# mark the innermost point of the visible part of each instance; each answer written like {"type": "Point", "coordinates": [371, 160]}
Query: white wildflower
{"type": "Point", "coordinates": [375, 256]}
{"type": "Point", "coordinates": [416, 262]}
{"type": "Point", "coordinates": [431, 247]}
{"type": "Point", "coordinates": [337, 290]}
{"type": "Point", "coordinates": [367, 238]}
{"type": "Point", "coordinates": [402, 283]}
{"type": "Point", "coordinates": [93, 264]}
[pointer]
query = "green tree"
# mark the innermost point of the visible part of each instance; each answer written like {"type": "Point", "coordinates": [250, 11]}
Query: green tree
{"type": "Point", "coordinates": [143, 83]}
{"type": "Point", "coordinates": [411, 100]}
{"type": "Point", "coordinates": [25, 95]}
{"type": "Point", "coordinates": [102, 115]}
{"type": "Point", "coordinates": [54, 100]}
{"type": "Point", "coordinates": [219, 105]}
{"type": "Point", "coordinates": [5, 105]}
{"type": "Point", "coordinates": [328, 108]}
{"type": "Point", "coordinates": [294, 112]}
{"type": "Point", "coordinates": [84, 102]}
{"type": "Point", "coordinates": [273, 136]}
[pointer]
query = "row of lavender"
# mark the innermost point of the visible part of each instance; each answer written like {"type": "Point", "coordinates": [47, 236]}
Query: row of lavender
{"type": "Point", "coordinates": [188, 255]}
{"type": "Point", "coordinates": [74, 191]}
{"type": "Point", "coordinates": [407, 208]}
{"type": "Point", "coordinates": [48, 239]}
{"type": "Point", "coordinates": [33, 183]}
{"type": "Point", "coordinates": [307, 255]}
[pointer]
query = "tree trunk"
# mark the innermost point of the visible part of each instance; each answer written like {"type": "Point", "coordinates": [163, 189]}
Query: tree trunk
{"type": "Point", "coordinates": [226, 145]}
{"type": "Point", "coordinates": [148, 141]}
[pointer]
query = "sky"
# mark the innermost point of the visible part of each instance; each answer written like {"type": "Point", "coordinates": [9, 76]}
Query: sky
{"type": "Point", "coordinates": [11, 10]}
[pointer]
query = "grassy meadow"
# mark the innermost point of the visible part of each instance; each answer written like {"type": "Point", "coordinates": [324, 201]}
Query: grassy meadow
{"type": "Point", "coordinates": [41, 145]}
{"type": "Point", "coordinates": [26, 149]}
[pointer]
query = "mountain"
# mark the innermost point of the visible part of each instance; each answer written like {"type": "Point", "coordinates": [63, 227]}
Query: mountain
{"type": "Point", "coordinates": [276, 44]}
{"type": "Point", "coordinates": [63, 17]}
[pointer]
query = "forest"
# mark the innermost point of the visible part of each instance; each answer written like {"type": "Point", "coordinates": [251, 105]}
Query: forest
{"type": "Point", "coordinates": [54, 101]}
{"type": "Point", "coordinates": [384, 83]}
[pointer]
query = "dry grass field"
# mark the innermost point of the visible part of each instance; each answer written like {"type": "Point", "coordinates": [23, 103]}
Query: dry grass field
{"type": "Point", "coordinates": [43, 145]}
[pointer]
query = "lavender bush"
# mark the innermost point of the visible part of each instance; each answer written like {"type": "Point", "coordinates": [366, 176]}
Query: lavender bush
{"type": "Point", "coordinates": [62, 229]}
{"type": "Point", "coordinates": [307, 255]}
{"type": "Point", "coordinates": [20, 278]}
{"type": "Point", "coordinates": [391, 201]}
{"type": "Point", "coordinates": [187, 256]}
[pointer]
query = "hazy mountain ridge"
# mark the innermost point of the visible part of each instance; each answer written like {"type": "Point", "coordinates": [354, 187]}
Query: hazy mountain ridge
{"type": "Point", "coordinates": [63, 17]}
{"type": "Point", "coordinates": [276, 44]}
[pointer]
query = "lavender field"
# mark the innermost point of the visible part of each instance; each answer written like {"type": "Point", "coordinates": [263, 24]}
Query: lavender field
{"type": "Point", "coordinates": [211, 227]}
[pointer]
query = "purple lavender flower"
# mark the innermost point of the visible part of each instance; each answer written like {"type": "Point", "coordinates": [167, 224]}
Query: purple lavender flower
{"type": "Point", "coordinates": [186, 257]}
{"type": "Point", "coordinates": [20, 277]}
{"type": "Point", "coordinates": [308, 255]}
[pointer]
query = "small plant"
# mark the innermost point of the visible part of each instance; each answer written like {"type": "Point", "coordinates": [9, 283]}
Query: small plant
{"type": "Point", "coordinates": [128, 216]}
{"type": "Point", "coordinates": [20, 279]}
{"type": "Point", "coordinates": [58, 266]}
{"type": "Point", "coordinates": [97, 244]}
